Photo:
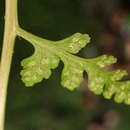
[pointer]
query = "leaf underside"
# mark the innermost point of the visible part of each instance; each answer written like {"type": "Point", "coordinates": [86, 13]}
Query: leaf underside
{"type": "Point", "coordinates": [48, 54]}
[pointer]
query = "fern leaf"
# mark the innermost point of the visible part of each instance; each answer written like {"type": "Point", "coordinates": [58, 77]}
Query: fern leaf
{"type": "Point", "coordinates": [48, 54]}
{"type": "Point", "coordinates": [38, 66]}
{"type": "Point", "coordinates": [75, 72]}
{"type": "Point", "coordinates": [74, 43]}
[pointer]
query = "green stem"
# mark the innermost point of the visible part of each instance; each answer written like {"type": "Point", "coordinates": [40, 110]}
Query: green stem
{"type": "Point", "coordinates": [11, 23]}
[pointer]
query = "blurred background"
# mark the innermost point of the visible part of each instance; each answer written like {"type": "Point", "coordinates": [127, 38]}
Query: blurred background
{"type": "Point", "coordinates": [48, 106]}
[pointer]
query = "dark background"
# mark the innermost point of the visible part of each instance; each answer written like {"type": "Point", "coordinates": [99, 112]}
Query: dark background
{"type": "Point", "coordinates": [48, 106]}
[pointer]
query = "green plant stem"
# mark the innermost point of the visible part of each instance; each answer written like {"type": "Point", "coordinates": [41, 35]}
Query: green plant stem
{"type": "Point", "coordinates": [11, 23]}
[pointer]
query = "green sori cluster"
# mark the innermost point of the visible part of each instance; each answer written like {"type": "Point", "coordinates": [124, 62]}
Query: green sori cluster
{"type": "Point", "coordinates": [48, 54]}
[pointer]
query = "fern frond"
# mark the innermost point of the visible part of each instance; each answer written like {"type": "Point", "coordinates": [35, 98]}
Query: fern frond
{"type": "Point", "coordinates": [48, 54]}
